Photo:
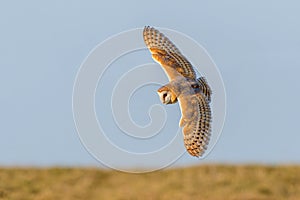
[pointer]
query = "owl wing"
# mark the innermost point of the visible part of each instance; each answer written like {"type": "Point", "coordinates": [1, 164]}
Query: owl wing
{"type": "Point", "coordinates": [196, 122]}
{"type": "Point", "coordinates": [204, 87]}
{"type": "Point", "coordinates": [167, 54]}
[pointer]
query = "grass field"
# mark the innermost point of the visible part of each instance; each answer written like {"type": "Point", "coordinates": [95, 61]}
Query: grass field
{"type": "Point", "coordinates": [203, 182]}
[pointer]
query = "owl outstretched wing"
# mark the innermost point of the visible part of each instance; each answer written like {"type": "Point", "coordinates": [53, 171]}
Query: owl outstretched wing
{"type": "Point", "coordinates": [204, 88]}
{"type": "Point", "coordinates": [167, 54]}
{"type": "Point", "coordinates": [196, 122]}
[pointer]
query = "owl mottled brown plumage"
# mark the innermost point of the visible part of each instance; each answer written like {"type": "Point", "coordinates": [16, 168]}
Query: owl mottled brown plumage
{"type": "Point", "coordinates": [194, 95]}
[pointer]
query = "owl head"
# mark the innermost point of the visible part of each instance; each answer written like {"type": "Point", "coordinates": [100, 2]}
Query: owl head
{"type": "Point", "coordinates": [166, 95]}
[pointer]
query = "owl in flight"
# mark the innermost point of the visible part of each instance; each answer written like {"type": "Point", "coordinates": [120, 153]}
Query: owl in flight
{"type": "Point", "coordinates": [193, 95]}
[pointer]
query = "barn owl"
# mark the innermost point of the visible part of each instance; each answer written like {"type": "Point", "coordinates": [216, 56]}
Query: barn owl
{"type": "Point", "coordinates": [193, 95]}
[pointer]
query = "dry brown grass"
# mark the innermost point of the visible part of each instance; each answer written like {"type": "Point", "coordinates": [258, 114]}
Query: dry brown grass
{"type": "Point", "coordinates": [203, 182]}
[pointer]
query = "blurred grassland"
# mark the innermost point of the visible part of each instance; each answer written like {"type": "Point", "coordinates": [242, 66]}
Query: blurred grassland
{"type": "Point", "coordinates": [201, 182]}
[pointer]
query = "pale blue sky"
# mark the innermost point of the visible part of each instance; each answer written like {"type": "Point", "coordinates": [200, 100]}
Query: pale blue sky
{"type": "Point", "coordinates": [255, 44]}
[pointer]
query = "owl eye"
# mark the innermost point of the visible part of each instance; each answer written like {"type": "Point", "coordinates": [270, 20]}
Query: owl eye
{"type": "Point", "coordinates": [164, 95]}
